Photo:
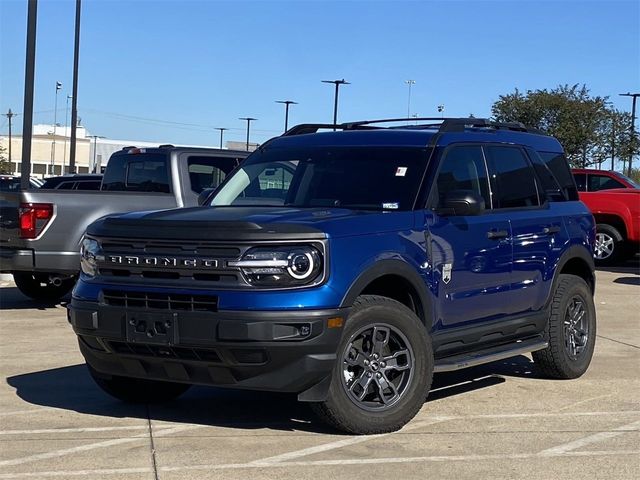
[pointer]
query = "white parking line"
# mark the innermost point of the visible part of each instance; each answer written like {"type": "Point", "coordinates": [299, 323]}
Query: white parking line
{"type": "Point", "coordinates": [93, 446]}
{"type": "Point", "coordinates": [315, 463]}
{"type": "Point", "coordinates": [24, 412]}
{"type": "Point", "coordinates": [342, 443]}
{"type": "Point", "coordinates": [75, 430]}
{"type": "Point", "coordinates": [597, 437]}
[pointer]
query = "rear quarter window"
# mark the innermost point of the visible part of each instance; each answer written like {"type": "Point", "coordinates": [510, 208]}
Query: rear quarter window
{"type": "Point", "coordinates": [557, 163]}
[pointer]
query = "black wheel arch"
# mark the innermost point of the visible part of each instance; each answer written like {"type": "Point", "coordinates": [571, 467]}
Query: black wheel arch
{"type": "Point", "coordinates": [403, 275]}
{"type": "Point", "coordinates": [576, 260]}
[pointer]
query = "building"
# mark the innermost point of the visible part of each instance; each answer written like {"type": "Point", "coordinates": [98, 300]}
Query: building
{"type": "Point", "coordinates": [50, 154]}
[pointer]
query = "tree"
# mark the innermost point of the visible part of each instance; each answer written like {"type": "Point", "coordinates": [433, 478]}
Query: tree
{"type": "Point", "coordinates": [5, 166]}
{"type": "Point", "coordinates": [588, 127]}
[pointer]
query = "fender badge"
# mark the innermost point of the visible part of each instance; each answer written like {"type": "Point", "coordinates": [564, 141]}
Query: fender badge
{"type": "Point", "coordinates": [446, 272]}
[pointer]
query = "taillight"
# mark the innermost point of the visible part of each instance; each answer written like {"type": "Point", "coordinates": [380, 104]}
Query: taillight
{"type": "Point", "coordinates": [33, 218]}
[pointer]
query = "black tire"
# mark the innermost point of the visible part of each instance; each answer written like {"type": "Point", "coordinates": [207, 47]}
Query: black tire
{"type": "Point", "coordinates": [610, 245]}
{"type": "Point", "coordinates": [557, 361]}
{"type": "Point", "coordinates": [136, 390]}
{"type": "Point", "coordinates": [339, 409]}
{"type": "Point", "coordinates": [38, 287]}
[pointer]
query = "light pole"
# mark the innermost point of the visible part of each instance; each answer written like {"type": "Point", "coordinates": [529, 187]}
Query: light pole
{"type": "Point", "coordinates": [74, 93]}
{"type": "Point", "coordinates": [222, 129]}
{"type": "Point", "coordinates": [55, 124]}
{"type": "Point", "coordinates": [29, 76]}
{"type": "Point", "coordinates": [410, 83]}
{"type": "Point", "coordinates": [66, 123]}
{"type": "Point", "coordinates": [286, 111]}
{"type": "Point", "coordinates": [249, 120]}
{"type": "Point", "coordinates": [337, 83]}
{"type": "Point", "coordinates": [10, 116]}
{"type": "Point", "coordinates": [95, 144]}
{"type": "Point", "coordinates": [634, 96]}
{"type": "Point", "coordinates": [441, 110]}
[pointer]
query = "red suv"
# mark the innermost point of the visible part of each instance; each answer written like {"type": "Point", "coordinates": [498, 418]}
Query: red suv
{"type": "Point", "coordinates": [614, 200]}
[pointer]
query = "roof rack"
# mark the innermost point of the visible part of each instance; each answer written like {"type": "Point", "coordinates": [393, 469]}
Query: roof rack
{"type": "Point", "coordinates": [443, 125]}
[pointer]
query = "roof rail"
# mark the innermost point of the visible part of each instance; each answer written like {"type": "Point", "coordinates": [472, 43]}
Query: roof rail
{"type": "Point", "coordinates": [443, 125]}
{"type": "Point", "coordinates": [129, 147]}
{"type": "Point", "coordinates": [166, 145]}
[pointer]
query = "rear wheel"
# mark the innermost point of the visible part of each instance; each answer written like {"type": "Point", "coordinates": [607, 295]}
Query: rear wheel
{"type": "Point", "coordinates": [383, 371]}
{"type": "Point", "coordinates": [571, 330]}
{"type": "Point", "coordinates": [39, 287]}
{"type": "Point", "coordinates": [136, 390]}
{"type": "Point", "coordinates": [609, 247]}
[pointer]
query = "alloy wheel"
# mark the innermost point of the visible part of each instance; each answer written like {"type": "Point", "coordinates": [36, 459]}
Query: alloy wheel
{"type": "Point", "coordinates": [604, 246]}
{"type": "Point", "coordinates": [377, 367]}
{"type": "Point", "coordinates": [576, 327]}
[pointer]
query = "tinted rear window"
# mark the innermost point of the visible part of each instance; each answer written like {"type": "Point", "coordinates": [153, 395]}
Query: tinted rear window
{"type": "Point", "coordinates": [146, 172]}
{"type": "Point", "coordinates": [515, 178]}
{"type": "Point", "coordinates": [557, 163]}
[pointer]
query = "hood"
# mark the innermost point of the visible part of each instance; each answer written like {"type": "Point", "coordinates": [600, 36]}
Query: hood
{"type": "Point", "coordinates": [250, 223]}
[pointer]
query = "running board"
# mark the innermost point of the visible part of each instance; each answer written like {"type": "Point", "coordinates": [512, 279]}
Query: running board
{"type": "Point", "coordinates": [466, 360]}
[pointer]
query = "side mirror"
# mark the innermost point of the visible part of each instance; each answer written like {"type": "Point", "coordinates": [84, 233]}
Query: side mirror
{"type": "Point", "coordinates": [462, 203]}
{"type": "Point", "coordinates": [204, 195]}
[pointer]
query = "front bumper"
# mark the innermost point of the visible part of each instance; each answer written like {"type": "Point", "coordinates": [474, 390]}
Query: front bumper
{"type": "Point", "coordinates": [285, 351]}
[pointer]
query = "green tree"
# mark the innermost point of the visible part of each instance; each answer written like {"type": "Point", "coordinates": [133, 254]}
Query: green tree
{"type": "Point", "coordinates": [588, 127]}
{"type": "Point", "coordinates": [5, 166]}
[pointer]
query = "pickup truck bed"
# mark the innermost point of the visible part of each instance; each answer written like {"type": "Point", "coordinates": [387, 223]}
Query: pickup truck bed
{"type": "Point", "coordinates": [41, 230]}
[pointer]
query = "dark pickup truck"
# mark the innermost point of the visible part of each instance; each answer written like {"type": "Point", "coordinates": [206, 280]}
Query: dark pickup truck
{"type": "Point", "coordinates": [41, 230]}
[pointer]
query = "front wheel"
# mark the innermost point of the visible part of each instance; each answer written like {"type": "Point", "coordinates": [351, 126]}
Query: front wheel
{"type": "Point", "coordinates": [39, 287]}
{"type": "Point", "coordinates": [571, 330]}
{"type": "Point", "coordinates": [383, 371]}
{"type": "Point", "coordinates": [136, 390]}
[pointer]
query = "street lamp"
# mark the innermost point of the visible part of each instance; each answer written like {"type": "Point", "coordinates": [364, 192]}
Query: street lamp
{"type": "Point", "coordinates": [337, 83]}
{"type": "Point", "coordinates": [441, 110]}
{"type": "Point", "coordinates": [222, 129]}
{"type": "Point", "coordinates": [55, 124]}
{"type": "Point", "coordinates": [286, 111]}
{"type": "Point", "coordinates": [249, 120]}
{"type": "Point", "coordinates": [410, 83]}
{"type": "Point", "coordinates": [634, 96]}
{"type": "Point", "coordinates": [95, 144]}
{"type": "Point", "coordinates": [66, 123]}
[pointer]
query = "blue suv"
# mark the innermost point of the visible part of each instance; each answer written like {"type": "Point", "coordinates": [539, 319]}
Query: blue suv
{"type": "Point", "coordinates": [348, 264]}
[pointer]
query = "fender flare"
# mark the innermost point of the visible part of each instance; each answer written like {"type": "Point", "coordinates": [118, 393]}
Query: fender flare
{"type": "Point", "coordinates": [384, 267]}
{"type": "Point", "coordinates": [574, 251]}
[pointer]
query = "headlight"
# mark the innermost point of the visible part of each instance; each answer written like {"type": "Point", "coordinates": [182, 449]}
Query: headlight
{"type": "Point", "coordinates": [90, 253]}
{"type": "Point", "coordinates": [281, 266]}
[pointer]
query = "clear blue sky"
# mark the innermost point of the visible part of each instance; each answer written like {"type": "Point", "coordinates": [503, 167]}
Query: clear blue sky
{"type": "Point", "coordinates": [207, 63]}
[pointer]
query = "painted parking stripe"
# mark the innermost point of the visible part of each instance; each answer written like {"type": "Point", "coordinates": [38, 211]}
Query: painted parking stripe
{"type": "Point", "coordinates": [597, 437]}
{"type": "Point", "coordinates": [343, 443]}
{"type": "Point", "coordinates": [316, 463]}
{"type": "Point", "coordinates": [75, 430]}
{"type": "Point", "coordinates": [93, 446]}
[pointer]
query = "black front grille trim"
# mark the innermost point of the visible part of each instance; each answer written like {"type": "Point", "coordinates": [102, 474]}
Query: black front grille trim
{"type": "Point", "coordinates": [160, 301]}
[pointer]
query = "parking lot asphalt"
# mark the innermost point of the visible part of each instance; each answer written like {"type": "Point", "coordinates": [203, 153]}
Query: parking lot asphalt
{"type": "Point", "coordinates": [495, 421]}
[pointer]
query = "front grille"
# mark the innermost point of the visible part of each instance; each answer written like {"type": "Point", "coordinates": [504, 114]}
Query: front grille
{"type": "Point", "coordinates": [165, 351]}
{"type": "Point", "coordinates": [160, 301]}
{"type": "Point", "coordinates": [137, 269]}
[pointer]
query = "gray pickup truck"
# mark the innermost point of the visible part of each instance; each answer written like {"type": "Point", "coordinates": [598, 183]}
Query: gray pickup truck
{"type": "Point", "coordinates": [41, 230]}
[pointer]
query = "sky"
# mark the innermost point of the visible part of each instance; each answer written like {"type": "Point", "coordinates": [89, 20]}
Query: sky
{"type": "Point", "coordinates": [172, 70]}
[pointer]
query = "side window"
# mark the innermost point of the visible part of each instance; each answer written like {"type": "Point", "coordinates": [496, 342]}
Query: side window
{"type": "Point", "coordinates": [88, 185]}
{"type": "Point", "coordinates": [462, 168]}
{"type": "Point", "coordinates": [559, 166]}
{"type": "Point", "coordinates": [65, 186]}
{"type": "Point", "coordinates": [603, 182]}
{"type": "Point", "coordinates": [581, 181]}
{"type": "Point", "coordinates": [202, 175]}
{"type": "Point", "coordinates": [513, 178]}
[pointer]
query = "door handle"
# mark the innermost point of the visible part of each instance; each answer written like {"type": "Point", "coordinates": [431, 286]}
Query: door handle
{"type": "Point", "coordinates": [551, 230]}
{"type": "Point", "coordinates": [497, 234]}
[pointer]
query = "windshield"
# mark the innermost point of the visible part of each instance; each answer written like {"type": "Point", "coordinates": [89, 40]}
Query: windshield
{"type": "Point", "coordinates": [363, 178]}
{"type": "Point", "coordinates": [628, 180]}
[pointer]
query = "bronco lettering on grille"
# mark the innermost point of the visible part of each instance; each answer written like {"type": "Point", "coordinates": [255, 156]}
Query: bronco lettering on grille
{"type": "Point", "coordinates": [162, 261]}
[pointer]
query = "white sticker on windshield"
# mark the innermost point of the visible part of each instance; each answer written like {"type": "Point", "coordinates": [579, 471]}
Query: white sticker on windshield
{"type": "Point", "coordinates": [401, 171]}
{"type": "Point", "coordinates": [391, 206]}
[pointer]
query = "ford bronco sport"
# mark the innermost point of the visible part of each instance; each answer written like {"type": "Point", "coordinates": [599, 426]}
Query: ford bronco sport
{"type": "Point", "coordinates": [348, 266]}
